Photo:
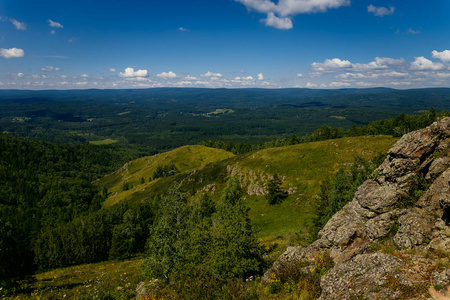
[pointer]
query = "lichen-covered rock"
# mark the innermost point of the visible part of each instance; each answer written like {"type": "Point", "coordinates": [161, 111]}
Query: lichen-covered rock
{"type": "Point", "coordinates": [378, 220]}
{"type": "Point", "coordinates": [364, 274]}
{"type": "Point", "coordinates": [415, 229]}
{"type": "Point", "coordinates": [382, 225]}
{"type": "Point", "coordinates": [379, 198]}
{"type": "Point", "coordinates": [437, 198]}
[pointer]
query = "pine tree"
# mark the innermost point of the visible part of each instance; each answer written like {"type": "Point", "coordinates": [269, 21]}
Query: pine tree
{"type": "Point", "coordinates": [275, 194]}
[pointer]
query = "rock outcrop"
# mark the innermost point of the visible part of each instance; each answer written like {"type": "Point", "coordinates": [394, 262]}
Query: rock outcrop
{"type": "Point", "coordinates": [390, 237]}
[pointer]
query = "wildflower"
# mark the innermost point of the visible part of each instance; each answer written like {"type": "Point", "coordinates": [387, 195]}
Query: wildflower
{"type": "Point", "coordinates": [119, 288]}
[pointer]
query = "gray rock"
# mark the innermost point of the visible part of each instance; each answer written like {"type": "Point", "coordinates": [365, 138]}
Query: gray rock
{"type": "Point", "coordinates": [415, 229]}
{"type": "Point", "coordinates": [364, 274]}
{"type": "Point", "coordinates": [369, 221]}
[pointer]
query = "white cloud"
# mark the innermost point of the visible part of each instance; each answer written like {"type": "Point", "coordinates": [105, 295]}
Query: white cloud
{"type": "Point", "coordinates": [20, 75]}
{"type": "Point", "coordinates": [337, 65]}
{"type": "Point", "coordinates": [421, 63]}
{"type": "Point", "coordinates": [211, 74]}
{"type": "Point", "coordinates": [293, 7]}
{"type": "Point", "coordinates": [381, 11]}
{"type": "Point", "coordinates": [339, 84]}
{"type": "Point", "coordinates": [111, 69]}
{"type": "Point", "coordinates": [412, 31]}
{"type": "Point", "coordinates": [300, 75]}
{"type": "Point", "coordinates": [190, 78]}
{"type": "Point", "coordinates": [130, 73]}
{"type": "Point", "coordinates": [279, 14]}
{"type": "Point", "coordinates": [50, 69]}
{"type": "Point", "coordinates": [310, 85]}
{"type": "Point", "coordinates": [444, 55]}
{"type": "Point", "coordinates": [278, 23]}
{"type": "Point", "coordinates": [12, 53]}
{"type": "Point", "coordinates": [330, 65]}
{"type": "Point", "coordinates": [361, 83]}
{"type": "Point", "coordinates": [248, 78]}
{"type": "Point", "coordinates": [84, 75]}
{"type": "Point", "coordinates": [260, 76]}
{"type": "Point", "coordinates": [167, 75]}
{"type": "Point", "coordinates": [54, 24]}
{"type": "Point", "coordinates": [18, 25]}
{"type": "Point", "coordinates": [182, 83]}
{"type": "Point", "coordinates": [183, 29]}
{"type": "Point", "coordinates": [53, 31]}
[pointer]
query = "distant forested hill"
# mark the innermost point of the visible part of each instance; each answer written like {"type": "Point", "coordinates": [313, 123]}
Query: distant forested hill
{"type": "Point", "coordinates": [168, 117]}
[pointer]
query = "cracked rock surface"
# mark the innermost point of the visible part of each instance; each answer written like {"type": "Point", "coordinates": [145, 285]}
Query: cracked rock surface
{"type": "Point", "coordinates": [379, 214]}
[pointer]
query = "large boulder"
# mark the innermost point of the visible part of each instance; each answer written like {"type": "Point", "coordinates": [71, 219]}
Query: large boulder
{"type": "Point", "coordinates": [373, 237]}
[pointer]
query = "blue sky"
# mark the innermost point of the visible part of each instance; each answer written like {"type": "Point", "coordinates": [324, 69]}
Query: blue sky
{"type": "Point", "coordinates": [51, 44]}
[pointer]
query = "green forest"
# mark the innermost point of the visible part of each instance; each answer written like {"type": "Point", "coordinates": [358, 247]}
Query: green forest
{"type": "Point", "coordinates": [65, 201]}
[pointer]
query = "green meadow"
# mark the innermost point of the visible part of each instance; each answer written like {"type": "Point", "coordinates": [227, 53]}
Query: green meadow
{"type": "Point", "coordinates": [205, 170]}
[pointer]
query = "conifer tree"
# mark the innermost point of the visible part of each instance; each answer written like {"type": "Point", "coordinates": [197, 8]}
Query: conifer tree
{"type": "Point", "coordinates": [275, 194]}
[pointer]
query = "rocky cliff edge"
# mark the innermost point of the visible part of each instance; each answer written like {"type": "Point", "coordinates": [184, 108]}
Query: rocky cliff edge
{"type": "Point", "coordinates": [393, 240]}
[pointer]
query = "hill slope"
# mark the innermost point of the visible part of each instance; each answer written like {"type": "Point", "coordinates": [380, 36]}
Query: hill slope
{"type": "Point", "coordinates": [301, 167]}
{"type": "Point", "coordinates": [185, 158]}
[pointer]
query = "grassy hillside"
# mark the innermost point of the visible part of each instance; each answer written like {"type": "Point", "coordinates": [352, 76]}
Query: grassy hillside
{"type": "Point", "coordinates": [301, 167]}
{"type": "Point", "coordinates": [105, 280]}
{"type": "Point", "coordinates": [185, 158]}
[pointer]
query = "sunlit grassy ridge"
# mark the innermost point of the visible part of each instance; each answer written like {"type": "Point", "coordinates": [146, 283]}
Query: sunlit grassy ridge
{"type": "Point", "coordinates": [185, 158]}
{"type": "Point", "coordinates": [302, 168]}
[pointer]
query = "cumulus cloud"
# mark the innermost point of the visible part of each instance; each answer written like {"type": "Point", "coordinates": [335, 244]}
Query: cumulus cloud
{"type": "Point", "coordinates": [12, 53]}
{"type": "Point", "coordinates": [111, 69]}
{"type": "Point", "coordinates": [190, 78]}
{"type": "Point", "coordinates": [339, 84]}
{"type": "Point", "coordinates": [84, 75]}
{"type": "Point", "coordinates": [183, 29]}
{"type": "Point", "coordinates": [54, 24]}
{"type": "Point", "coordinates": [279, 13]}
{"type": "Point", "coordinates": [260, 76]}
{"type": "Point", "coordinates": [20, 75]}
{"type": "Point", "coordinates": [18, 25]}
{"type": "Point", "coordinates": [338, 65]}
{"type": "Point", "coordinates": [50, 69]}
{"type": "Point", "coordinates": [310, 85]}
{"type": "Point", "coordinates": [277, 22]}
{"type": "Point", "coordinates": [380, 11]}
{"type": "Point", "coordinates": [248, 78]}
{"type": "Point", "coordinates": [444, 55]}
{"type": "Point", "coordinates": [211, 74]}
{"type": "Point", "coordinates": [330, 65]}
{"type": "Point", "coordinates": [385, 71]}
{"type": "Point", "coordinates": [130, 73]}
{"type": "Point", "coordinates": [300, 75]}
{"type": "Point", "coordinates": [167, 75]}
{"type": "Point", "coordinates": [421, 63]}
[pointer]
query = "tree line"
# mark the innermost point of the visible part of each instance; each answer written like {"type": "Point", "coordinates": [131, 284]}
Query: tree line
{"type": "Point", "coordinates": [397, 127]}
